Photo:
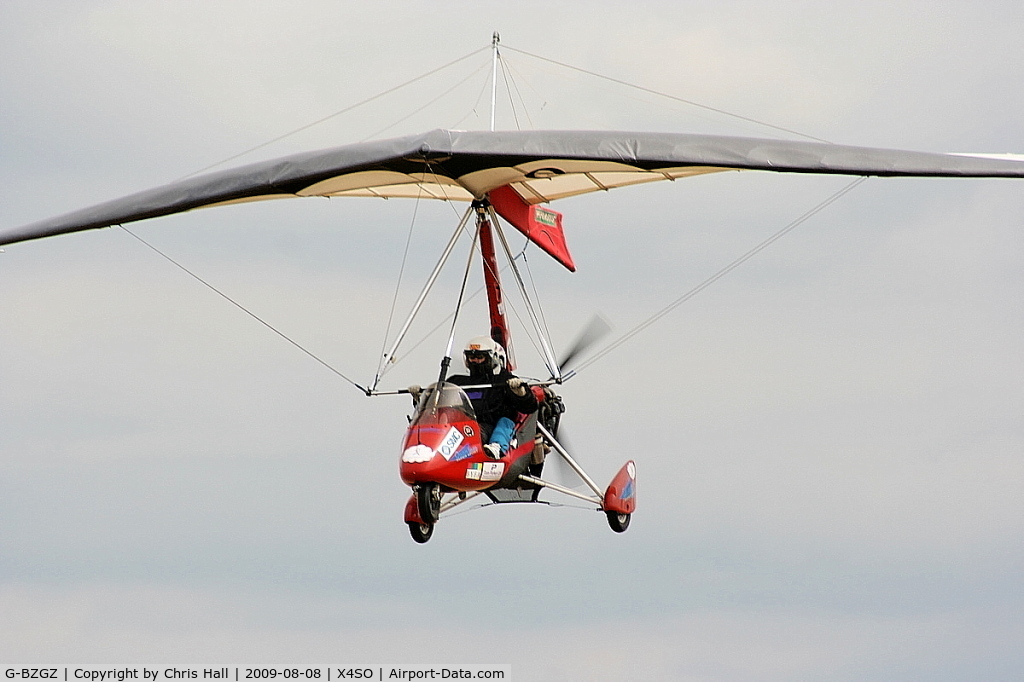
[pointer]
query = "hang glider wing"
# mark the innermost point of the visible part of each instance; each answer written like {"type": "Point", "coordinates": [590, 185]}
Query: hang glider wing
{"type": "Point", "coordinates": [540, 166]}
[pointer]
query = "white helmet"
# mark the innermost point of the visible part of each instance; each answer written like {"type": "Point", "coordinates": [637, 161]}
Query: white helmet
{"type": "Point", "coordinates": [490, 349]}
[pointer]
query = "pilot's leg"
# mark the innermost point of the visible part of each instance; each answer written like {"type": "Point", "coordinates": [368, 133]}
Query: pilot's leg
{"type": "Point", "coordinates": [502, 434]}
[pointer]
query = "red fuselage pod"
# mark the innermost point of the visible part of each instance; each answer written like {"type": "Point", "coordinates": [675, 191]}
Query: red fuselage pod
{"type": "Point", "coordinates": [443, 445]}
{"type": "Point", "coordinates": [620, 497]}
{"type": "Point", "coordinates": [447, 451]}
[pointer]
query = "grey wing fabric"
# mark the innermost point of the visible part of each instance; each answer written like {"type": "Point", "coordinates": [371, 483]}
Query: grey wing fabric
{"type": "Point", "coordinates": [541, 166]}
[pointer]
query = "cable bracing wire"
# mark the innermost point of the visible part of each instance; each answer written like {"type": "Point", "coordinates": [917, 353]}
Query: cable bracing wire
{"type": "Point", "coordinates": [507, 67]}
{"type": "Point", "coordinates": [508, 303]}
{"type": "Point", "coordinates": [533, 285]}
{"type": "Point", "coordinates": [508, 91]}
{"type": "Point", "coordinates": [665, 95]}
{"type": "Point", "coordinates": [443, 322]}
{"type": "Point", "coordinates": [244, 309]}
{"type": "Point", "coordinates": [401, 274]}
{"type": "Point", "coordinates": [720, 274]}
{"type": "Point", "coordinates": [473, 109]}
{"type": "Point", "coordinates": [338, 113]}
{"type": "Point", "coordinates": [462, 292]}
{"type": "Point", "coordinates": [416, 111]}
{"type": "Point", "coordinates": [547, 353]}
{"type": "Point", "coordinates": [388, 358]}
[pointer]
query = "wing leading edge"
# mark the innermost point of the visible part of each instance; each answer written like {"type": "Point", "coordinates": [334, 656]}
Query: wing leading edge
{"type": "Point", "coordinates": [541, 166]}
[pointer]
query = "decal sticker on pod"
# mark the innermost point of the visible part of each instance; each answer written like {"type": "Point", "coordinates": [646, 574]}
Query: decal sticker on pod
{"type": "Point", "coordinates": [452, 440]}
{"type": "Point", "coordinates": [492, 471]}
{"type": "Point", "coordinates": [465, 452]}
{"type": "Point", "coordinates": [418, 453]}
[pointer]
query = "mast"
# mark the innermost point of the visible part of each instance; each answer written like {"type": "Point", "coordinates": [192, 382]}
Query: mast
{"type": "Point", "coordinates": [499, 325]}
{"type": "Point", "coordinates": [496, 308]}
{"type": "Point", "coordinates": [494, 74]}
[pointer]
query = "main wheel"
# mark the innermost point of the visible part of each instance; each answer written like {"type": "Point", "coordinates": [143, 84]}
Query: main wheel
{"type": "Point", "coordinates": [618, 522]}
{"type": "Point", "coordinates": [428, 502]}
{"type": "Point", "coordinates": [421, 532]}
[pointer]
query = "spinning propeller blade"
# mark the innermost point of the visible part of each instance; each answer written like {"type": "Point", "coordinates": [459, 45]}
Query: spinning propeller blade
{"type": "Point", "coordinates": [595, 330]}
{"type": "Point", "coordinates": [561, 472]}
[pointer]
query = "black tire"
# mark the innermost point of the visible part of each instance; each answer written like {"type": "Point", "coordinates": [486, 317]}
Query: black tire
{"type": "Point", "coordinates": [618, 522]}
{"type": "Point", "coordinates": [421, 532]}
{"type": "Point", "coordinates": [428, 502]}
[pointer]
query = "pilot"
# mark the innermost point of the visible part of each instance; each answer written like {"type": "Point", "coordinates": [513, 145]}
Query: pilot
{"type": "Point", "coordinates": [497, 395]}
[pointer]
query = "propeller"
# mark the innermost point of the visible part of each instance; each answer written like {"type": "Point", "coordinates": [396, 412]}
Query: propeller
{"type": "Point", "coordinates": [561, 472]}
{"type": "Point", "coordinates": [596, 329]}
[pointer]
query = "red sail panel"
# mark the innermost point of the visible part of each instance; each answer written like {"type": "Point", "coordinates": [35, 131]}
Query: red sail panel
{"type": "Point", "coordinates": [541, 225]}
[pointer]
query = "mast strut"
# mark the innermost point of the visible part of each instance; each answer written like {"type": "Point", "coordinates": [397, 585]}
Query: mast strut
{"type": "Point", "coordinates": [495, 39]}
{"type": "Point", "coordinates": [495, 306]}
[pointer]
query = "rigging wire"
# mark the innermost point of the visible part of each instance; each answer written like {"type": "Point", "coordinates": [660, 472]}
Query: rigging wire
{"type": "Point", "coordinates": [547, 354]}
{"type": "Point", "coordinates": [462, 295]}
{"type": "Point", "coordinates": [397, 360]}
{"type": "Point", "coordinates": [388, 359]}
{"type": "Point", "coordinates": [336, 113]}
{"type": "Point", "coordinates": [437, 326]}
{"type": "Point", "coordinates": [522, 78]}
{"type": "Point", "coordinates": [244, 309]}
{"type": "Point", "coordinates": [426, 336]}
{"type": "Point", "coordinates": [509, 304]}
{"type": "Point", "coordinates": [401, 272]}
{"type": "Point", "coordinates": [519, 318]}
{"type": "Point", "coordinates": [546, 503]}
{"type": "Point", "coordinates": [441, 186]}
{"type": "Point", "coordinates": [416, 111]}
{"type": "Point", "coordinates": [507, 67]}
{"type": "Point", "coordinates": [511, 87]}
{"type": "Point", "coordinates": [508, 91]}
{"type": "Point", "coordinates": [719, 275]}
{"type": "Point", "coordinates": [476, 104]}
{"type": "Point", "coordinates": [667, 96]}
{"type": "Point", "coordinates": [390, 355]}
{"type": "Point", "coordinates": [533, 285]}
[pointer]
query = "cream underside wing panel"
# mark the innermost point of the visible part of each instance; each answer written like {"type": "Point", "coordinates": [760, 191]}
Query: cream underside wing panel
{"type": "Point", "coordinates": [536, 182]}
{"type": "Point", "coordinates": [248, 200]}
{"type": "Point", "coordinates": [389, 184]}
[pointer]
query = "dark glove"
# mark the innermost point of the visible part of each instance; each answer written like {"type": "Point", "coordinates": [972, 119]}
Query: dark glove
{"type": "Point", "coordinates": [517, 386]}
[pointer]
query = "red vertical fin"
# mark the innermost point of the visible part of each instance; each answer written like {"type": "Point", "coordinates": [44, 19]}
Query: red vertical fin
{"type": "Point", "coordinates": [620, 497]}
{"type": "Point", "coordinates": [541, 225]}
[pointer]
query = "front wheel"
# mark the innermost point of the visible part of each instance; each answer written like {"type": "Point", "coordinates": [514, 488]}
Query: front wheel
{"type": "Point", "coordinates": [618, 522]}
{"type": "Point", "coordinates": [421, 532]}
{"type": "Point", "coordinates": [428, 502]}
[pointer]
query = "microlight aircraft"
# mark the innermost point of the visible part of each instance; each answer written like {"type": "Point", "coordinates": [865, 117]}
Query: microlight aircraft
{"type": "Point", "coordinates": [511, 175]}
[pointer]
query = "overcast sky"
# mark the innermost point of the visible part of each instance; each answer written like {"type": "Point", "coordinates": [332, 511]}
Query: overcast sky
{"type": "Point", "coordinates": [829, 440]}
